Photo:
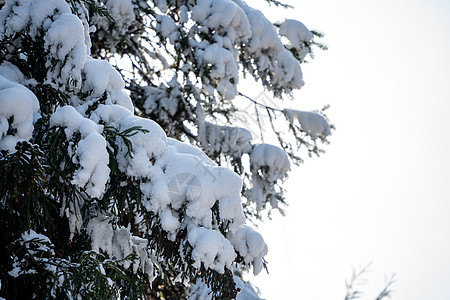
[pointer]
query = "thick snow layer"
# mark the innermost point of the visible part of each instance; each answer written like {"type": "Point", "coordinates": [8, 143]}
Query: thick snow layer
{"type": "Point", "coordinates": [296, 32]}
{"type": "Point", "coordinates": [222, 15]}
{"type": "Point", "coordinates": [100, 77]}
{"type": "Point", "coordinates": [221, 60]}
{"type": "Point", "coordinates": [18, 106]}
{"type": "Point", "coordinates": [30, 15]}
{"type": "Point", "coordinates": [311, 123]}
{"type": "Point", "coordinates": [188, 149]}
{"type": "Point", "coordinates": [272, 157]}
{"type": "Point", "coordinates": [224, 69]}
{"type": "Point", "coordinates": [145, 145]}
{"type": "Point", "coordinates": [263, 34]}
{"type": "Point", "coordinates": [182, 177]}
{"type": "Point", "coordinates": [268, 164]}
{"type": "Point", "coordinates": [91, 152]}
{"type": "Point", "coordinates": [65, 41]}
{"type": "Point", "coordinates": [73, 121]}
{"type": "Point", "coordinates": [211, 249]}
{"type": "Point", "coordinates": [250, 245]}
{"type": "Point", "coordinates": [288, 73]}
{"type": "Point", "coordinates": [247, 292]}
{"type": "Point", "coordinates": [298, 35]}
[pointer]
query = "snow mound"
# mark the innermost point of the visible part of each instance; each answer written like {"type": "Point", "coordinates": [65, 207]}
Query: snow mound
{"type": "Point", "coordinates": [313, 124]}
{"type": "Point", "coordinates": [296, 32]}
{"type": "Point", "coordinates": [91, 153]}
{"type": "Point", "coordinates": [68, 49]}
{"type": "Point", "coordinates": [100, 77]}
{"type": "Point", "coordinates": [250, 245]}
{"type": "Point", "coordinates": [271, 157]}
{"type": "Point", "coordinates": [18, 106]}
{"type": "Point", "coordinates": [211, 249]}
{"type": "Point", "coordinates": [268, 164]}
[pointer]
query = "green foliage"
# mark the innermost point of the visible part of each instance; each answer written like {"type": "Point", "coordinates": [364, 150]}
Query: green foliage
{"type": "Point", "coordinates": [22, 185]}
{"type": "Point", "coordinates": [95, 277]}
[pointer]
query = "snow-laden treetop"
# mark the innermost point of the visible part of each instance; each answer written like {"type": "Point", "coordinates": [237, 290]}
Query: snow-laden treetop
{"type": "Point", "coordinates": [127, 193]}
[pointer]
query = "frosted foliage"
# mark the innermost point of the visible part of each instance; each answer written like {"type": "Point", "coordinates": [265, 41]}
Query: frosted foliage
{"type": "Point", "coordinates": [12, 73]}
{"type": "Point", "coordinates": [34, 244]}
{"type": "Point", "coordinates": [91, 153]}
{"type": "Point", "coordinates": [167, 27]}
{"type": "Point", "coordinates": [163, 101]}
{"type": "Point", "coordinates": [211, 249]}
{"type": "Point", "coordinates": [311, 123]}
{"type": "Point", "coordinates": [200, 291]}
{"type": "Point", "coordinates": [268, 164]}
{"type": "Point", "coordinates": [224, 139]}
{"type": "Point", "coordinates": [250, 245]}
{"type": "Point", "coordinates": [229, 24]}
{"type": "Point", "coordinates": [122, 11]}
{"type": "Point", "coordinates": [18, 106]}
{"type": "Point", "coordinates": [119, 243]}
{"type": "Point", "coordinates": [269, 54]}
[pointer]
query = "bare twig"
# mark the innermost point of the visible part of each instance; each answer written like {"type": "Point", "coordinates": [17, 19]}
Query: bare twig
{"type": "Point", "coordinates": [353, 292]}
{"type": "Point", "coordinates": [387, 291]}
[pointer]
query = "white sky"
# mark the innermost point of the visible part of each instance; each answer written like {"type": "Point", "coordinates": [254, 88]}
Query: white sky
{"type": "Point", "coordinates": [381, 193]}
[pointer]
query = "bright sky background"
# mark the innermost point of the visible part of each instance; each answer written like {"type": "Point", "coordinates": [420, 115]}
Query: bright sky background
{"type": "Point", "coordinates": [381, 193]}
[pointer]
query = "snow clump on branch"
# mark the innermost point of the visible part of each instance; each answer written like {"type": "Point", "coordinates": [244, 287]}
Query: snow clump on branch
{"type": "Point", "coordinates": [15, 124]}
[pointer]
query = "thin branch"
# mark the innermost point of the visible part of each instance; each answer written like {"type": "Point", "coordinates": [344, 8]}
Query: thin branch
{"type": "Point", "coordinates": [260, 104]}
{"type": "Point", "coordinates": [387, 291]}
{"type": "Point", "coordinates": [353, 293]}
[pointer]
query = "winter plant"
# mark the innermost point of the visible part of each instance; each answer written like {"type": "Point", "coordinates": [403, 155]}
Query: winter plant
{"type": "Point", "coordinates": [123, 173]}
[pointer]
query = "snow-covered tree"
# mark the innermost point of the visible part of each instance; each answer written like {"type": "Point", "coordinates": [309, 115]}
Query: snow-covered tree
{"type": "Point", "coordinates": [123, 173]}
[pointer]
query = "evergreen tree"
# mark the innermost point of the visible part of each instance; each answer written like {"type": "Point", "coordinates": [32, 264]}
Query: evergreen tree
{"type": "Point", "coordinates": [118, 139]}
